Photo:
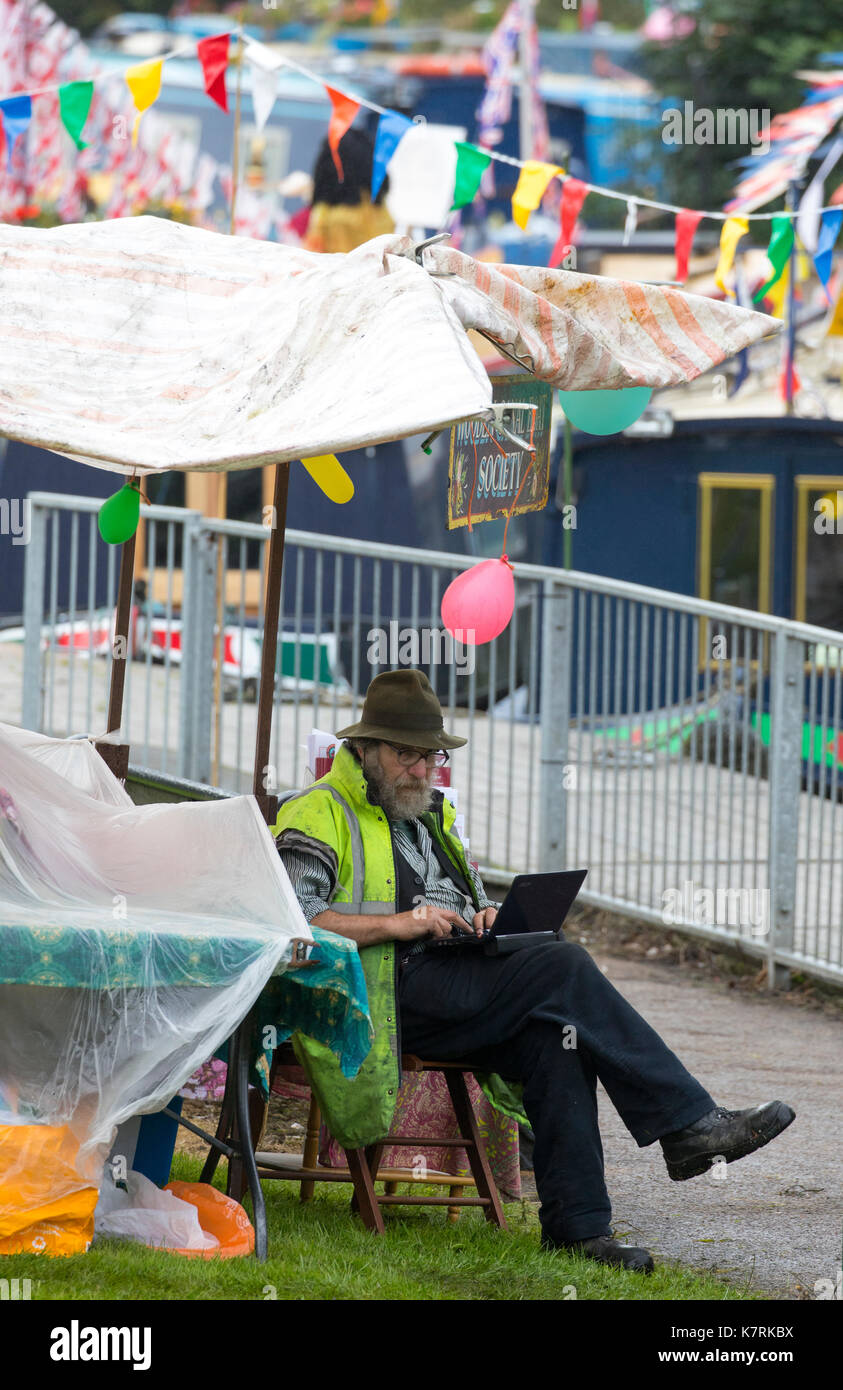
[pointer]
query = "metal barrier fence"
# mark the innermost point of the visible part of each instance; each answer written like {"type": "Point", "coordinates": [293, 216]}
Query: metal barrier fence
{"type": "Point", "coordinates": [690, 755]}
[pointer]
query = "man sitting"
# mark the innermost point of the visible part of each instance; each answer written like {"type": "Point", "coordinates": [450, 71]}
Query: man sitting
{"type": "Point", "coordinates": [371, 855]}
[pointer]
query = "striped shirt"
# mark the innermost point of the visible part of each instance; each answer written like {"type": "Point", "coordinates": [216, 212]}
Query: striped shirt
{"type": "Point", "coordinates": [312, 883]}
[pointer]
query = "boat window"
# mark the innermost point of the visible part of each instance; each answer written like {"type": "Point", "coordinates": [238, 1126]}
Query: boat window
{"type": "Point", "coordinates": [818, 563]}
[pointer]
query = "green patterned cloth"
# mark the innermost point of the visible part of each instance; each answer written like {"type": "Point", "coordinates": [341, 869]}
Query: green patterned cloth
{"type": "Point", "coordinates": [325, 999]}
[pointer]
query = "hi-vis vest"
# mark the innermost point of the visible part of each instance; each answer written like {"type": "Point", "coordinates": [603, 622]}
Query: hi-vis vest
{"type": "Point", "coordinates": [335, 821]}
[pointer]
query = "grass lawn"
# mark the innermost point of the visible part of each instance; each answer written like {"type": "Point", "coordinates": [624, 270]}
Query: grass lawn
{"type": "Point", "coordinates": [319, 1251]}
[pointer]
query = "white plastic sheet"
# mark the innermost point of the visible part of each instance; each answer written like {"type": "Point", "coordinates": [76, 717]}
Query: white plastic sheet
{"type": "Point", "coordinates": [133, 940]}
{"type": "Point", "coordinates": [144, 344]}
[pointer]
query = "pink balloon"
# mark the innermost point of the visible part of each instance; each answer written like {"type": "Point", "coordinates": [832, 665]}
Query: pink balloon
{"type": "Point", "coordinates": [477, 605]}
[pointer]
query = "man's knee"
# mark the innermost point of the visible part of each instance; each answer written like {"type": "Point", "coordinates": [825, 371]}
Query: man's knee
{"type": "Point", "coordinates": [569, 956]}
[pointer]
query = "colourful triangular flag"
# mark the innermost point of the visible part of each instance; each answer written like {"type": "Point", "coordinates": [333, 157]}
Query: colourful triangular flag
{"type": "Point", "coordinates": [829, 229]}
{"type": "Point", "coordinates": [530, 189]}
{"type": "Point", "coordinates": [472, 163]}
{"type": "Point", "coordinates": [265, 67]}
{"type": "Point", "coordinates": [574, 194]}
{"type": "Point", "coordinates": [213, 55]}
{"type": "Point", "coordinates": [144, 82]}
{"type": "Point", "coordinates": [16, 114]}
{"type": "Point", "coordinates": [392, 127]}
{"type": "Point", "coordinates": [733, 229]}
{"type": "Point", "coordinates": [778, 251]}
{"type": "Point", "coordinates": [687, 222]}
{"type": "Point", "coordinates": [343, 113]}
{"type": "Point", "coordinates": [74, 105]}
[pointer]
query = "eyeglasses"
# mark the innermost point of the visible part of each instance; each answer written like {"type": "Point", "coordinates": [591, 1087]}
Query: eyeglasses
{"type": "Point", "coordinates": [408, 757]}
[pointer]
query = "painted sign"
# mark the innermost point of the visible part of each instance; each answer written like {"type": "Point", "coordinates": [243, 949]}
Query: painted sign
{"type": "Point", "coordinates": [488, 476]}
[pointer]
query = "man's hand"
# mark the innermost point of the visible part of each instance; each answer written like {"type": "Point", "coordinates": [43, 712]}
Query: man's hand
{"type": "Point", "coordinates": [424, 920]}
{"type": "Point", "coordinates": [484, 919]}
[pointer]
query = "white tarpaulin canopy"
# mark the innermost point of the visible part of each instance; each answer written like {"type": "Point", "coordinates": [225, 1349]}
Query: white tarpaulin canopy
{"type": "Point", "coordinates": [142, 344]}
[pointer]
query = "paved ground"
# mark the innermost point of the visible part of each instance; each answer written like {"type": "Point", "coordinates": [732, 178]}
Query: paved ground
{"type": "Point", "coordinates": [774, 1222]}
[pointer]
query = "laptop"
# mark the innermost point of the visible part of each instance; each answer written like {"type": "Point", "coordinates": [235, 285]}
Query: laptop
{"type": "Point", "coordinates": [531, 914]}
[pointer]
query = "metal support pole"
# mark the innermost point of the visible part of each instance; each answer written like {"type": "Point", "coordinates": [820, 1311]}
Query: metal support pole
{"type": "Point", "coordinates": [557, 633]}
{"type": "Point", "coordinates": [785, 782]}
{"type": "Point", "coordinates": [34, 562]}
{"type": "Point", "coordinates": [525, 103]}
{"type": "Point", "coordinates": [271, 615]}
{"type": "Point", "coordinates": [567, 499]}
{"type": "Point", "coordinates": [790, 332]}
{"type": "Point", "coordinates": [205, 575]}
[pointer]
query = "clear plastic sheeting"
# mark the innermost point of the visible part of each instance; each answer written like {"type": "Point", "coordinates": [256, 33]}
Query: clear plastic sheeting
{"type": "Point", "coordinates": [75, 759]}
{"type": "Point", "coordinates": [133, 940]}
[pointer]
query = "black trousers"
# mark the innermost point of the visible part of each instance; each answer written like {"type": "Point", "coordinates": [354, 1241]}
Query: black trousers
{"type": "Point", "coordinates": [548, 1017]}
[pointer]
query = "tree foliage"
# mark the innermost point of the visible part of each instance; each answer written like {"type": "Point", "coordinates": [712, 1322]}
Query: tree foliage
{"type": "Point", "coordinates": [744, 55]}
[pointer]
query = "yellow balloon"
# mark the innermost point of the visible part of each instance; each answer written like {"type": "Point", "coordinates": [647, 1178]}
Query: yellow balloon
{"type": "Point", "coordinates": [328, 473]}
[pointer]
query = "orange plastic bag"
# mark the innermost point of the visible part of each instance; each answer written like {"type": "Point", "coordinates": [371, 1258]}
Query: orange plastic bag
{"type": "Point", "coordinates": [46, 1206]}
{"type": "Point", "coordinates": [219, 1216]}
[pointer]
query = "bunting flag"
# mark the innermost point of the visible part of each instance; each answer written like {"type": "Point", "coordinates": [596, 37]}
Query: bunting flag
{"type": "Point", "coordinates": [778, 252]}
{"type": "Point", "coordinates": [530, 189]}
{"type": "Point", "coordinates": [144, 82]}
{"type": "Point", "coordinates": [499, 54]}
{"type": "Point", "coordinates": [808, 221]}
{"type": "Point", "coordinates": [777, 296]}
{"type": "Point", "coordinates": [264, 69]}
{"type": "Point", "coordinates": [687, 222]}
{"type": "Point", "coordinates": [829, 229]}
{"type": "Point", "coordinates": [630, 226]}
{"type": "Point", "coordinates": [472, 164]}
{"type": "Point", "coordinates": [74, 105]}
{"type": "Point", "coordinates": [733, 229]}
{"type": "Point", "coordinates": [343, 113]}
{"type": "Point", "coordinates": [574, 194]}
{"type": "Point", "coordinates": [392, 127]}
{"type": "Point", "coordinates": [16, 115]}
{"type": "Point", "coordinates": [213, 55]}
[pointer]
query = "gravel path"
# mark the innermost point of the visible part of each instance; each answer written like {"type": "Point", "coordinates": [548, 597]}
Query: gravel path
{"type": "Point", "coordinates": [772, 1223]}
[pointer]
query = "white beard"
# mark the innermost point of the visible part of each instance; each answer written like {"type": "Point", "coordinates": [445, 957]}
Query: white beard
{"type": "Point", "coordinates": [399, 803]}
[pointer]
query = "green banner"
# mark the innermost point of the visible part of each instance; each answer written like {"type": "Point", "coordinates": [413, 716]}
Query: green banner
{"type": "Point", "coordinates": [472, 163]}
{"type": "Point", "coordinates": [778, 252]}
{"type": "Point", "coordinates": [74, 105]}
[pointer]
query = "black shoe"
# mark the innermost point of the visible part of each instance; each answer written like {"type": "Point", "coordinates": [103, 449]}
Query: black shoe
{"type": "Point", "coordinates": [606, 1251]}
{"type": "Point", "coordinates": [723, 1134]}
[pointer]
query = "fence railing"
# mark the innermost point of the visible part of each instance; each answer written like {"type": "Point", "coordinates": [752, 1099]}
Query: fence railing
{"type": "Point", "coordinates": [689, 754]}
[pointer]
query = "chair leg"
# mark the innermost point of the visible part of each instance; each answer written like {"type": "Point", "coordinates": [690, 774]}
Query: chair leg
{"type": "Point", "coordinates": [365, 1199]}
{"type": "Point", "coordinates": [454, 1212]}
{"type": "Point", "coordinates": [311, 1148]}
{"type": "Point", "coordinates": [244, 1170]}
{"type": "Point", "coordinates": [480, 1170]}
{"type": "Point", "coordinates": [223, 1131]}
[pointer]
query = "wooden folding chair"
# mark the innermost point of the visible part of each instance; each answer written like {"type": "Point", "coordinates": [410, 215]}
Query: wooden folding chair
{"type": "Point", "coordinates": [363, 1169]}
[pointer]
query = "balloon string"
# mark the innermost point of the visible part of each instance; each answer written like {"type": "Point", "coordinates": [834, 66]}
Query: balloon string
{"type": "Point", "coordinates": [523, 481]}
{"type": "Point", "coordinates": [474, 483]}
{"type": "Point", "coordinates": [134, 482]}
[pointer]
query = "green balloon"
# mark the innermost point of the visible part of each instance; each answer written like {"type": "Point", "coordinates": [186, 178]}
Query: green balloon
{"type": "Point", "coordinates": [605, 412]}
{"type": "Point", "coordinates": [119, 515]}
